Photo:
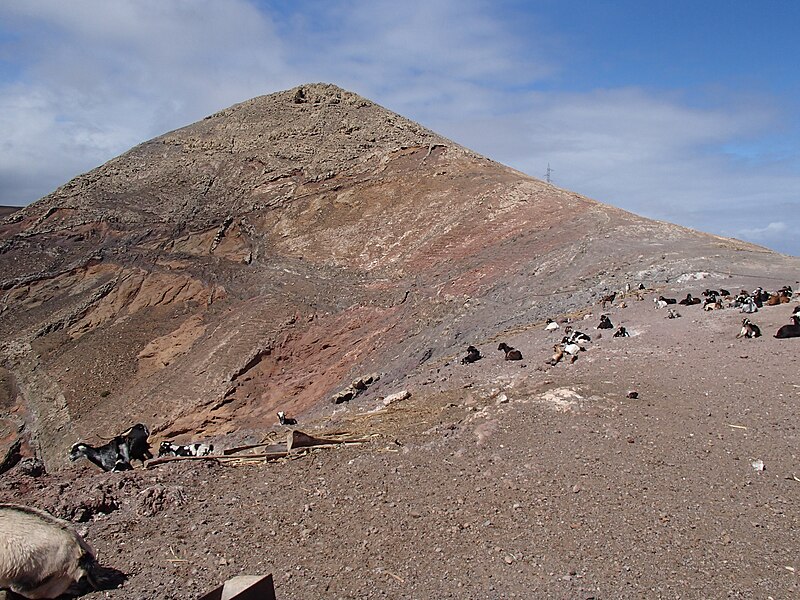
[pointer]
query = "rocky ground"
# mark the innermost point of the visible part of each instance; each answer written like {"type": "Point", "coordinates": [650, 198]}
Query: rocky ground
{"type": "Point", "coordinates": [496, 479]}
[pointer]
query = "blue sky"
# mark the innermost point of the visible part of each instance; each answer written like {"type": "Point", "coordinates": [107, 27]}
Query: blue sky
{"type": "Point", "coordinates": [683, 111]}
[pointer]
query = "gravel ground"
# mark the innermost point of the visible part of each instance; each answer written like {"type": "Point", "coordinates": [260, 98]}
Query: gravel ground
{"type": "Point", "coordinates": [495, 480]}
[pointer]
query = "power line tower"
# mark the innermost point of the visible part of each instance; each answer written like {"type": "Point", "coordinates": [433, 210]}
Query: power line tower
{"type": "Point", "coordinates": [547, 174]}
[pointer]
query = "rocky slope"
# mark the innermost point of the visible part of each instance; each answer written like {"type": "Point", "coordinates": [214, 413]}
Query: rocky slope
{"type": "Point", "coordinates": [263, 258]}
{"type": "Point", "coordinates": [272, 254]}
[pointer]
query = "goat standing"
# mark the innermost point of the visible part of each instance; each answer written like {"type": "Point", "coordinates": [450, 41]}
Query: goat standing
{"type": "Point", "coordinates": [111, 456]}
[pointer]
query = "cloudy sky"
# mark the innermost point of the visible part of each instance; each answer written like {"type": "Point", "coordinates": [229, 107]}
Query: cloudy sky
{"type": "Point", "coordinates": [678, 110]}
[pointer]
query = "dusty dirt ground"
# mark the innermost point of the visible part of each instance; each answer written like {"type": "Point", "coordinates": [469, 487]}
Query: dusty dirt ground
{"type": "Point", "coordinates": [496, 479]}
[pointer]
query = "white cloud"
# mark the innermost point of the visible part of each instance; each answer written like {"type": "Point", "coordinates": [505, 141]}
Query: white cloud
{"type": "Point", "coordinates": [772, 229]}
{"type": "Point", "coordinates": [653, 156]}
{"type": "Point", "coordinates": [98, 77]}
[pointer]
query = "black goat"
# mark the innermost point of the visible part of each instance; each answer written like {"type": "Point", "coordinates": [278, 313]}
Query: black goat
{"type": "Point", "coordinates": [116, 454]}
{"type": "Point", "coordinates": [138, 446]}
{"type": "Point", "coordinates": [473, 354]}
{"type": "Point", "coordinates": [605, 323]}
{"type": "Point", "coordinates": [792, 330]}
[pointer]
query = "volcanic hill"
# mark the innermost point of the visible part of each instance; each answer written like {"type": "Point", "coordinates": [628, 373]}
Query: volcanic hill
{"type": "Point", "coordinates": [266, 256]}
{"type": "Point", "coordinates": [309, 247]}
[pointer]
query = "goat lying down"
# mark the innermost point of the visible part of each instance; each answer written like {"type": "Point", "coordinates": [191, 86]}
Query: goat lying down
{"type": "Point", "coordinates": [286, 421]}
{"type": "Point", "coordinates": [196, 449]}
{"type": "Point", "coordinates": [511, 353]}
{"type": "Point", "coordinates": [41, 556]}
{"type": "Point", "coordinates": [749, 329]}
{"type": "Point", "coordinates": [790, 331]}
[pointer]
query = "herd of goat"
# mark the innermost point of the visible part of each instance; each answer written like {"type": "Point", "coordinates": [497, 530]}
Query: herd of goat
{"type": "Point", "coordinates": [43, 557]}
{"type": "Point", "coordinates": [747, 302]}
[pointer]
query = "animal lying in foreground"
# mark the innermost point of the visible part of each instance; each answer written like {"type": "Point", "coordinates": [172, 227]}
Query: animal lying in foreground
{"type": "Point", "coordinates": [41, 556]}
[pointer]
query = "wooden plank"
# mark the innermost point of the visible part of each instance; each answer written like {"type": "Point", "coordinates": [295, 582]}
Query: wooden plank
{"type": "Point", "coordinates": [263, 589]}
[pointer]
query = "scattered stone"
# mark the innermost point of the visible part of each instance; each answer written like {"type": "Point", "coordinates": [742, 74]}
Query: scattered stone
{"type": "Point", "coordinates": [633, 394]}
{"type": "Point", "coordinates": [156, 498]}
{"type": "Point", "coordinates": [355, 388]}
{"type": "Point", "coordinates": [31, 466]}
{"type": "Point", "coordinates": [397, 397]}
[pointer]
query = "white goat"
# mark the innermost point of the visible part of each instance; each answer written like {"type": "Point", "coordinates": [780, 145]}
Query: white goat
{"type": "Point", "coordinates": [40, 556]}
{"type": "Point", "coordinates": [551, 325]}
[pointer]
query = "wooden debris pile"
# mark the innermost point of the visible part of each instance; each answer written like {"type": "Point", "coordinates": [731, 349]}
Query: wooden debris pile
{"type": "Point", "coordinates": [297, 443]}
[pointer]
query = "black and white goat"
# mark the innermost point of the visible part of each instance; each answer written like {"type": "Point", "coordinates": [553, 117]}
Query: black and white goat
{"type": "Point", "coordinates": [576, 337]}
{"type": "Point", "coordinates": [662, 302]}
{"type": "Point", "coordinates": [111, 456]}
{"type": "Point", "coordinates": [749, 306]}
{"type": "Point", "coordinates": [167, 448]}
{"type": "Point", "coordinates": [749, 329]}
{"type": "Point", "coordinates": [116, 454]}
{"type": "Point", "coordinates": [511, 353]}
{"type": "Point", "coordinates": [41, 556]}
{"type": "Point", "coordinates": [760, 296]}
{"type": "Point", "coordinates": [621, 332]}
{"type": "Point", "coordinates": [284, 420]}
{"type": "Point", "coordinates": [473, 354]}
